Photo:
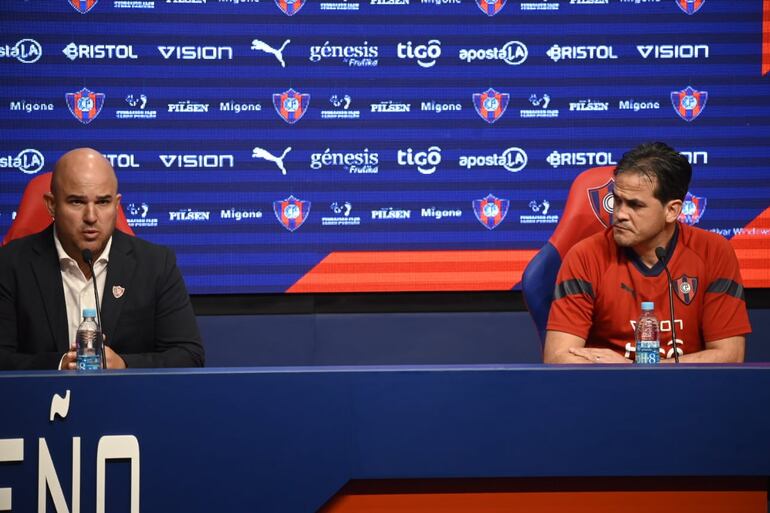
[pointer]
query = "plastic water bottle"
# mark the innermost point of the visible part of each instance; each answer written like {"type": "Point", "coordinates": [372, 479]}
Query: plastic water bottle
{"type": "Point", "coordinates": [647, 336]}
{"type": "Point", "coordinates": [89, 342]}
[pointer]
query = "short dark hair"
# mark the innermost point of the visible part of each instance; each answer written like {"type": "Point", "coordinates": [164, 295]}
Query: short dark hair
{"type": "Point", "coordinates": [657, 161]}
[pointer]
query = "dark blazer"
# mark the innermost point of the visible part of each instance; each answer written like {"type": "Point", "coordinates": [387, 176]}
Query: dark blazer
{"type": "Point", "coordinates": [146, 311]}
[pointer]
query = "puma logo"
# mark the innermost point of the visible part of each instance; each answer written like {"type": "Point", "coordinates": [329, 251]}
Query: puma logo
{"type": "Point", "coordinates": [261, 46]}
{"type": "Point", "coordinates": [259, 153]}
{"type": "Point", "coordinates": [628, 289]}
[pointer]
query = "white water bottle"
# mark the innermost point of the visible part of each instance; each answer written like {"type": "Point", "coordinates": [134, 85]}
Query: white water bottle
{"type": "Point", "coordinates": [89, 342]}
{"type": "Point", "coordinates": [647, 336]}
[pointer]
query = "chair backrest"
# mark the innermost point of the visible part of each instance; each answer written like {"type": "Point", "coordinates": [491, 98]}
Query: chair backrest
{"type": "Point", "coordinates": [32, 215]}
{"type": "Point", "coordinates": [588, 210]}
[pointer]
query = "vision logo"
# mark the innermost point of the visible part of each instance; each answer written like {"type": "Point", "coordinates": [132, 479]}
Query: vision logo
{"type": "Point", "coordinates": [290, 7]}
{"type": "Point", "coordinates": [83, 6]}
{"type": "Point", "coordinates": [491, 105]}
{"type": "Point", "coordinates": [85, 105]}
{"type": "Point", "coordinates": [690, 7]}
{"type": "Point", "coordinates": [490, 211]}
{"type": "Point", "coordinates": [491, 7]}
{"type": "Point", "coordinates": [291, 212]}
{"type": "Point", "coordinates": [259, 153]}
{"type": "Point", "coordinates": [693, 209]}
{"type": "Point", "coordinates": [291, 105]}
{"type": "Point", "coordinates": [689, 103]}
{"type": "Point", "coordinates": [261, 46]}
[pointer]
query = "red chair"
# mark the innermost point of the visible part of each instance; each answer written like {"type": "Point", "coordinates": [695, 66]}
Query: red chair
{"type": "Point", "coordinates": [32, 215]}
{"type": "Point", "coordinates": [588, 210]}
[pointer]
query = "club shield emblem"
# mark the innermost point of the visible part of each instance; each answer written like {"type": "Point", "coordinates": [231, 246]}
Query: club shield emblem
{"type": "Point", "coordinates": [490, 104]}
{"type": "Point", "coordinates": [693, 208]}
{"type": "Point", "coordinates": [118, 291]}
{"type": "Point", "coordinates": [689, 103]}
{"type": "Point", "coordinates": [291, 212]}
{"type": "Point", "coordinates": [490, 211]}
{"type": "Point", "coordinates": [685, 288]}
{"type": "Point", "coordinates": [602, 202]}
{"type": "Point", "coordinates": [491, 7]}
{"type": "Point", "coordinates": [291, 105]}
{"type": "Point", "coordinates": [290, 7]}
{"type": "Point", "coordinates": [83, 6]}
{"type": "Point", "coordinates": [690, 7]}
{"type": "Point", "coordinates": [85, 105]}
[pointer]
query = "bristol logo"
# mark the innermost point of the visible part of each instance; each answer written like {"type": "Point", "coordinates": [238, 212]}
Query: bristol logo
{"type": "Point", "coordinates": [290, 7]}
{"type": "Point", "coordinates": [291, 105]}
{"type": "Point", "coordinates": [602, 202]}
{"type": "Point", "coordinates": [490, 211]}
{"type": "Point", "coordinates": [291, 212]}
{"type": "Point", "coordinates": [83, 6]}
{"type": "Point", "coordinates": [491, 7]}
{"type": "Point", "coordinates": [689, 103]}
{"type": "Point", "coordinates": [491, 105]}
{"type": "Point", "coordinates": [690, 7]}
{"type": "Point", "coordinates": [693, 208]}
{"type": "Point", "coordinates": [85, 105]}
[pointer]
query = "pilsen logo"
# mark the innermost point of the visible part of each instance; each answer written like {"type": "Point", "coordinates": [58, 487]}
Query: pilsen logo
{"type": "Point", "coordinates": [602, 202]}
{"type": "Point", "coordinates": [85, 105]}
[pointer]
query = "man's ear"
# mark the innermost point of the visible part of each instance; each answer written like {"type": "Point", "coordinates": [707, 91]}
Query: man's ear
{"type": "Point", "coordinates": [673, 210]}
{"type": "Point", "coordinates": [50, 203]}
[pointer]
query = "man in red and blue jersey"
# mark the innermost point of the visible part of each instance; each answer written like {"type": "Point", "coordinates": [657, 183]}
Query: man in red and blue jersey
{"type": "Point", "coordinates": [605, 277]}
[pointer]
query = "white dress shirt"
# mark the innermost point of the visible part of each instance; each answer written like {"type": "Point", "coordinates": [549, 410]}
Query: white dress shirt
{"type": "Point", "coordinates": [79, 292]}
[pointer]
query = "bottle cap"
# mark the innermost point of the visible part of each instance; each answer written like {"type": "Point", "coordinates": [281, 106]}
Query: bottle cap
{"type": "Point", "coordinates": [89, 312]}
{"type": "Point", "coordinates": [648, 306]}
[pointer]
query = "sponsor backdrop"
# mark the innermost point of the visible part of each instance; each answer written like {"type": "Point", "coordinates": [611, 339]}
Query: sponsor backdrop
{"type": "Point", "coordinates": [373, 145]}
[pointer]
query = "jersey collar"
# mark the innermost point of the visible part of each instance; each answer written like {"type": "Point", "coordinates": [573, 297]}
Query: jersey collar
{"type": "Point", "coordinates": [658, 267]}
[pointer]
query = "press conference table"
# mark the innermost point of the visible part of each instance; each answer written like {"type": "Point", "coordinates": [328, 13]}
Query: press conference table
{"type": "Point", "coordinates": [287, 439]}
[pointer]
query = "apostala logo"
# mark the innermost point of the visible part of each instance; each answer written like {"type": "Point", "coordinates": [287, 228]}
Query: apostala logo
{"type": "Point", "coordinates": [85, 105]}
{"type": "Point", "coordinates": [260, 46]}
{"type": "Point", "coordinates": [342, 108]}
{"type": "Point", "coordinates": [491, 105]}
{"type": "Point", "coordinates": [357, 56]}
{"type": "Point", "coordinates": [560, 53]}
{"type": "Point", "coordinates": [341, 217]}
{"type": "Point", "coordinates": [391, 106]}
{"type": "Point", "coordinates": [540, 214]}
{"type": "Point", "coordinates": [693, 208]}
{"type": "Point", "coordinates": [354, 163]}
{"type": "Point", "coordinates": [583, 158]}
{"type": "Point", "coordinates": [541, 109]}
{"type": "Point", "coordinates": [291, 105]}
{"type": "Point", "coordinates": [513, 53]}
{"type": "Point", "coordinates": [260, 153]}
{"type": "Point", "coordinates": [137, 216]}
{"type": "Point", "coordinates": [513, 159]}
{"type": "Point", "coordinates": [239, 214]}
{"type": "Point", "coordinates": [426, 161]}
{"type": "Point", "coordinates": [391, 214]}
{"type": "Point", "coordinates": [690, 7]}
{"type": "Point", "coordinates": [426, 55]}
{"type": "Point", "coordinates": [491, 7]}
{"type": "Point", "coordinates": [28, 161]}
{"type": "Point", "coordinates": [490, 211]}
{"type": "Point", "coordinates": [185, 215]}
{"type": "Point", "coordinates": [75, 51]}
{"type": "Point", "coordinates": [83, 6]}
{"type": "Point", "coordinates": [138, 109]}
{"type": "Point", "coordinates": [290, 7]}
{"type": "Point", "coordinates": [291, 212]}
{"type": "Point", "coordinates": [26, 51]}
{"type": "Point", "coordinates": [689, 103]}
{"type": "Point", "coordinates": [589, 105]}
